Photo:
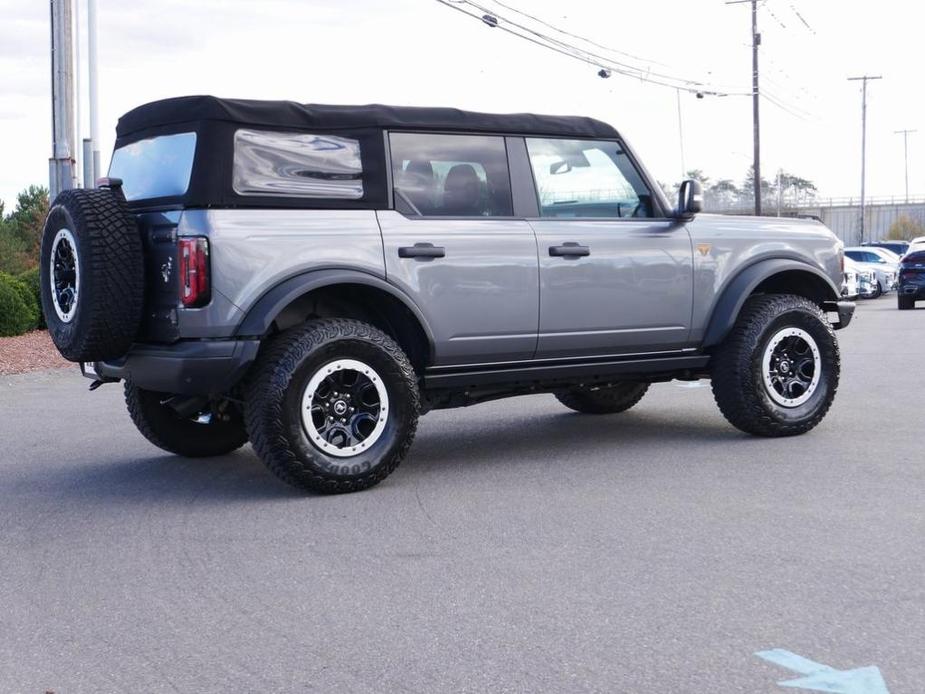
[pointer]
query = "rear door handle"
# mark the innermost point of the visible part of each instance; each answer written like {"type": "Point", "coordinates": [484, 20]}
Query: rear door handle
{"type": "Point", "coordinates": [569, 250]}
{"type": "Point", "coordinates": [421, 250]}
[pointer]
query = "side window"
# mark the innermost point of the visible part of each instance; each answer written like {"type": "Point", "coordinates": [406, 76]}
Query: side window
{"type": "Point", "coordinates": [587, 178]}
{"type": "Point", "coordinates": [452, 175]}
{"type": "Point", "coordinates": [296, 165]}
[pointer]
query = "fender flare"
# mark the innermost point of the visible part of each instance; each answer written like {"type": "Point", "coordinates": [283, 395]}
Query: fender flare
{"type": "Point", "coordinates": [260, 316]}
{"type": "Point", "coordinates": [726, 309]}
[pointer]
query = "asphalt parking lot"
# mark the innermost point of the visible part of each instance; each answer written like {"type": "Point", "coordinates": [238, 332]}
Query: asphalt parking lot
{"type": "Point", "coordinates": [519, 548]}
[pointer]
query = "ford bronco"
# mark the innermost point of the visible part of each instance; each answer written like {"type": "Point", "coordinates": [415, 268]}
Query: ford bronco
{"type": "Point", "coordinates": [311, 278]}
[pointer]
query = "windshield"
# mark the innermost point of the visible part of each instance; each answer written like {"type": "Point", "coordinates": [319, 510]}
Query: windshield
{"type": "Point", "coordinates": [158, 167]}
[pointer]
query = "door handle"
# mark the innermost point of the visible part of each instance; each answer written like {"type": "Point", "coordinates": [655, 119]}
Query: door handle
{"type": "Point", "coordinates": [569, 249]}
{"type": "Point", "coordinates": [421, 250]}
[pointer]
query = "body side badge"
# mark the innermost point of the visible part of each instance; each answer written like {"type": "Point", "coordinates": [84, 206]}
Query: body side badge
{"type": "Point", "coordinates": [166, 269]}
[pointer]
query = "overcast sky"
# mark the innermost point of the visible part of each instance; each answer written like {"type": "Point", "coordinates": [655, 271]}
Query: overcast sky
{"type": "Point", "coordinates": [420, 52]}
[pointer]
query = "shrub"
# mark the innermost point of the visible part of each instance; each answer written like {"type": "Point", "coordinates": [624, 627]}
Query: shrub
{"type": "Point", "coordinates": [19, 312]}
{"type": "Point", "coordinates": [32, 279]}
{"type": "Point", "coordinates": [17, 315]}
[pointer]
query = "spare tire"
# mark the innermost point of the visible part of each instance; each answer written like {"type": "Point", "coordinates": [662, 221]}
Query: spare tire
{"type": "Point", "coordinates": [92, 274]}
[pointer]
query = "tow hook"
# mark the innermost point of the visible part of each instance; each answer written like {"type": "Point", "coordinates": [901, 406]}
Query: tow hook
{"type": "Point", "coordinates": [88, 370]}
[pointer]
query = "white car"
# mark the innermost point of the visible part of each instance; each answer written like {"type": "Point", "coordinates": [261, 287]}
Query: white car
{"type": "Point", "coordinates": [916, 244]}
{"type": "Point", "coordinates": [850, 286]}
{"type": "Point", "coordinates": [885, 253]}
{"type": "Point", "coordinates": [865, 280]}
{"type": "Point", "coordinates": [885, 269]}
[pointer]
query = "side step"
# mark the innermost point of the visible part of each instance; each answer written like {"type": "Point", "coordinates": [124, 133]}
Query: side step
{"type": "Point", "coordinates": [649, 368]}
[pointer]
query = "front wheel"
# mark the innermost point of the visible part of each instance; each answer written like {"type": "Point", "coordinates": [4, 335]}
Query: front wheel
{"type": "Point", "coordinates": [777, 371]}
{"type": "Point", "coordinates": [216, 429]}
{"type": "Point", "coordinates": [332, 406]}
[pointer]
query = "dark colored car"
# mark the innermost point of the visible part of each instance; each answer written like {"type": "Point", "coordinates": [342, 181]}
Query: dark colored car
{"type": "Point", "coordinates": [911, 280]}
{"type": "Point", "coordinates": [898, 247]}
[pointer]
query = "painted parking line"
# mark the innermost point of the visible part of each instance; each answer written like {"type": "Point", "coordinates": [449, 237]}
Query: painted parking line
{"type": "Point", "coordinates": [823, 678]}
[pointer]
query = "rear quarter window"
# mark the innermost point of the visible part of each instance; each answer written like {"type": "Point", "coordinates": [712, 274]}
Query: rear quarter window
{"type": "Point", "coordinates": [296, 165]}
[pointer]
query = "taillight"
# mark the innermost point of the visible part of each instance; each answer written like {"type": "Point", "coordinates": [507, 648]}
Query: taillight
{"type": "Point", "coordinates": [194, 271]}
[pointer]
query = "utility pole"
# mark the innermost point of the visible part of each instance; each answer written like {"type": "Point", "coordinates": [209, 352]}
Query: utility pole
{"type": "Point", "coordinates": [756, 130]}
{"type": "Point", "coordinates": [61, 165]}
{"type": "Point", "coordinates": [92, 74]}
{"type": "Point", "coordinates": [905, 134]}
{"type": "Point", "coordinates": [780, 190]}
{"type": "Point", "coordinates": [681, 135]}
{"type": "Point", "coordinates": [863, 79]}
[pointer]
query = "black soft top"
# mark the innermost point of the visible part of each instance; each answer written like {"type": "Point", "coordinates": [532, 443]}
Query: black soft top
{"type": "Point", "coordinates": [292, 115]}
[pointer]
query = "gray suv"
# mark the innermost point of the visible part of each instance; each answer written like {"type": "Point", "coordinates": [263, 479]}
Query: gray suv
{"type": "Point", "coordinates": [312, 278]}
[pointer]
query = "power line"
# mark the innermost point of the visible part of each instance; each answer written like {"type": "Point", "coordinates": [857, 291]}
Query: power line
{"type": "Point", "coordinates": [635, 69]}
{"type": "Point", "coordinates": [608, 65]}
{"type": "Point", "coordinates": [575, 36]}
{"type": "Point", "coordinates": [804, 22]}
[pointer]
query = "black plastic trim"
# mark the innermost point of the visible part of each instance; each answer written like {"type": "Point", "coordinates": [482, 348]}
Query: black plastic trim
{"type": "Point", "coordinates": [844, 309]}
{"type": "Point", "coordinates": [565, 370]}
{"type": "Point", "coordinates": [261, 315]}
{"type": "Point", "coordinates": [726, 309]}
{"type": "Point", "coordinates": [194, 367]}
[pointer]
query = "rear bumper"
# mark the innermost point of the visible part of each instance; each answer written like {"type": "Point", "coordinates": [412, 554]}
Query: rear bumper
{"type": "Point", "coordinates": [844, 309]}
{"type": "Point", "coordinates": [193, 367]}
{"type": "Point", "coordinates": [917, 291]}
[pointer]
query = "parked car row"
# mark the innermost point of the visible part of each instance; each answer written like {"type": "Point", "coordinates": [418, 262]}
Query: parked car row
{"type": "Point", "coordinates": [883, 264]}
{"type": "Point", "coordinates": [898, 265]}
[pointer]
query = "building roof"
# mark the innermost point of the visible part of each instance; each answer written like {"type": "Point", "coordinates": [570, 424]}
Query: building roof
{"type": "Point", "coordinates": [291, 115]}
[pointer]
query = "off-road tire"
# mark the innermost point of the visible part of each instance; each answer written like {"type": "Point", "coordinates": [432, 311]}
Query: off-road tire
{"type": "Point", "coordinates": [162, 426]}
{"type": "Point", "coordinates": [736, 367]}
{"type": "Point", "coordinates": [273, 405]}
{"type": "Point", "coordinates": [905, 303]}
{"type": "Point", "coordinates": [110, 258]}
{"type": "Point", "coordinates": [606, 400]}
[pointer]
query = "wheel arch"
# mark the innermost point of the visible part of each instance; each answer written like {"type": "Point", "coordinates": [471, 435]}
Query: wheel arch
{"type": "Point", "coordinates": [346, 294]}
{"type": "Point", "coordinates": [770, 276]}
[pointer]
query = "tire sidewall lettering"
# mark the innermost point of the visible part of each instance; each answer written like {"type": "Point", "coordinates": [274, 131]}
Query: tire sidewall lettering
{"type": "Point", "coordinates": [362, 463]}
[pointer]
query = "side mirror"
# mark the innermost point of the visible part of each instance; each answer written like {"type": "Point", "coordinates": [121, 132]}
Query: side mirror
{"type": "Point", "coordinates": [559, 167]}
{"type": "Point", "coordinates": [690, 199]}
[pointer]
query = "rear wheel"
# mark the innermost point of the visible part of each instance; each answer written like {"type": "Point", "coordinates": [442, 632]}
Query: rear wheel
{"type": "Point", "coordinates": [215, 429]}
{"type": "Point", "coordinates": [603, 399]}
{"type": "Point", "coordinates": [905, 302]}
{"type": "Point", "coordinates": [777, 372]}
{"type": "Point", "coordinates": [332, 406]}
